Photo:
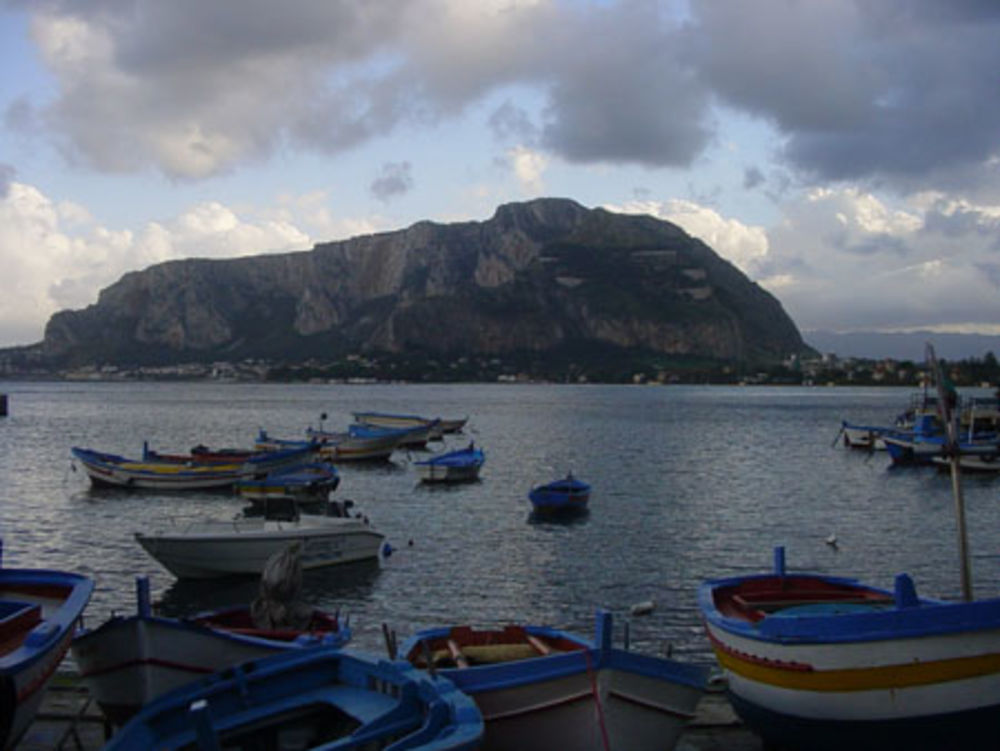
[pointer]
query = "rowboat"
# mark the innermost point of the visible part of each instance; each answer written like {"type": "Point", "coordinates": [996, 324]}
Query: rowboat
{"type": "Point", "coordinates": [129, 661]}
{"type": "Point", "coordinates": [111, 470]}
{"type": "Point", "coordinates": [393, 420]}
{"type": "Point", "coordinates": [462, 465]}
{"type": "Point", "coordinates": [822, 662]}
{"type": "Point", "coordinates": [337, 447]}
{"type": "Point", "coordinates": [412, 437]}
{"type": "Point", "coordinates": [212, 548]}
{"type": "Point", "coordinates": [540, 688]}
{"type": "Point", "coordinates": [560, 496]}
{"type": "Point", "coordinates": [309, 699]}
{"type": "Point", "coordinates": [314, 481]}
{"type": "Point", "coordinates": [39, 609]}
{"type": "Point", "coordinates": [865, 437]}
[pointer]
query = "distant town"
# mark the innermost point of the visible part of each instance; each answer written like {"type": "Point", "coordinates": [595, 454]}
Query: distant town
{"type": "Point", "coordinates": [827, 370]}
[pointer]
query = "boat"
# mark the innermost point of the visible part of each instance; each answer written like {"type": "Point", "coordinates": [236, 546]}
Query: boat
{"type": "Point", "coordinates": [112, 470]}
{"type": "Point", "coordinates": [130, 660]}
{"type": "Point", "coordinates": [986, 461]}
{"type": "Point", "coordinates": [928, 439]}
{"type": "Point", "coordinates": [541, 688]}
{"type": "Point", "coordinates": [318, 698]}
{"type": "Point", "coordinates": [337, 447]}
{"type": "Point", "coordinates": [414, 437]}
{"type": "Point", "coordinates": [560, 496]}
{"type": "Point", "coordinates": [462, 465]}
{"type": "Point", "coordinates": [864, 437]}
{"type": "Point", "coordinates": [39, 609]}
{"type": "Point", "coordinates": [305, 482]}
{"type": "Point", "coordinates": [393, 420]}
{"type": "Point", "coordinates": [823, 662]}
{"type": "Point", "coordinates": [217, 547]}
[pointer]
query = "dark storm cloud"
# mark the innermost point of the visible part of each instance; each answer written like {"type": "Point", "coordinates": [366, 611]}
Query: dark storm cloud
{"type": "Point", "coordinates": [898, 89]}
{"type": "Point", "coordinates": [394, 179]}
{"type": "Point", "coordinates": [901, 91]}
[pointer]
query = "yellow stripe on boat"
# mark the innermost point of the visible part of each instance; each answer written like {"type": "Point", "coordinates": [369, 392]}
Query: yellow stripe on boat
{"type": "Point", "coordinates": [860, 679]}
{"type": "Point", "coordinates": [173, 469]}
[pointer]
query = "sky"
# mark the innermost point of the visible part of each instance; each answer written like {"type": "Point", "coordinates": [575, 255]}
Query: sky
{"type": "Point", "coordinates": [844, 154]}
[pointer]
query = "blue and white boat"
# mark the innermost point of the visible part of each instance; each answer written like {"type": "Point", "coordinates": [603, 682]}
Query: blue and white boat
{"type": "Point", "coordinates": [128, 661]}
{"type": "Point", "coordinates": [462, 465]}
{"type": "Point", "coordinates": [306, 482]}
{"type": "Point", "coordinates": [824, 662]}
{"type": "Point", "coordinates": [153, 472]}
{"type": "Point", "coordinates": [320, 699]}
{"type": "Point", "coordinates": [567, 495]}
{"type": "Point", "coordinates": [39, 609]}
{"type": "Point", "coordinates": [541, 688]}
{"type": "Point", "coordinates": [409, 437]}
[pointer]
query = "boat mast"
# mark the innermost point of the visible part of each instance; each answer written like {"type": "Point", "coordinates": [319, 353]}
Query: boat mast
{"type": "Point", "coordinates": [952, 450]}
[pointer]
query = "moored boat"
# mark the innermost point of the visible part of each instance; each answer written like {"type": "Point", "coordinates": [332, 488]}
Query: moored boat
{"type": "Point", "coordinates": [158, 473]}
{"type": "Point", "coordinates": [338, 447]}
{"type": "Point", "coordinates": [541, 688]}
{"type": "Point", "coordinates": [823, 662]}
{"type": "Point", "coordinates": [309, 699]}
{"type": "Point", "coordinates": [413, 437]}
{"type": "Point", "coordinates": [462, 465]}
{"type": "Point", "coordinates": [212, 548]}
{"type": "Point", "coordinates": [566, 495]}
{"type": "Point", "coordinates": [39, 609]}
{"type": "Point", "coordinates": [314, 481]}
{"type": "Point", "coordinates": [394, 420]}
{"type": "Point", "coordinates": [128, 661]}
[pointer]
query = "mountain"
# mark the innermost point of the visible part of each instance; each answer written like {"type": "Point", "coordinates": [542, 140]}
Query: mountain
{"type": "Point", "coordinates": [875, 345]}
{"type": "Point", "coordinates": [539, 276]}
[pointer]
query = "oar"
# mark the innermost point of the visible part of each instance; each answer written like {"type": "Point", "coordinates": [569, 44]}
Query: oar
{"type": "Point", "coordinates": [952, 451]}
{"type": "Point", "coordinates": [837, 437]}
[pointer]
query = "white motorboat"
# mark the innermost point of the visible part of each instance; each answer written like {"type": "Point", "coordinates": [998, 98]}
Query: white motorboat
{"type": "Point", "coordinates": [212, 548]}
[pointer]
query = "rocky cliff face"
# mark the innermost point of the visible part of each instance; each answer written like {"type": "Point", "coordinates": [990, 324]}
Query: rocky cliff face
{"type": "Point", "coordinates": [536, 276]}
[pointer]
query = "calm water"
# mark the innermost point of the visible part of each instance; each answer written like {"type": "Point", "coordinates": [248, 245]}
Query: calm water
{"type": "Point", "coordinates": [688, 483]}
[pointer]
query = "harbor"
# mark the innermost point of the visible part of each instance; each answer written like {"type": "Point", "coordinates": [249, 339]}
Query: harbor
{"type": "Point", "coordinates": [69, 720]}
{"type": "Point", "coordinates": [644, 554]}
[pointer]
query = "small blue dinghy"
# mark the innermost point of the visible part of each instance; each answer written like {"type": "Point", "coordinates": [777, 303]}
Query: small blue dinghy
{"type": "Point", "coordinates": [561, 496]}
{"type": "Point", "coordinates": [309, 699]}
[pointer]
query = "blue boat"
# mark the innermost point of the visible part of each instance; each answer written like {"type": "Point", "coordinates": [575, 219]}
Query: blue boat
{"type": "Point", "coordinates": [541, 688]}
{"type": "Point", "coordinates": [306, 482]}
{"type": "Point", "coordinates": [560, 496]}
{"type": "Point", "coordinates": [462, 465]}
{"type": "Point", "coordinates": [408, 437]}
{"type": "Point", "coordinates": [824, 662]}
{"type": "Point", "coordinates": [310, 699]}
{"type": "Point", "coordinates": [39, 609]}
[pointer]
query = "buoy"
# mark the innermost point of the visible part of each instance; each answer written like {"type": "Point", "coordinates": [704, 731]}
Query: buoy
{"type": "Point", "coordinates": [386, 550]}
{"type": "Point", "coordinates": [643, 608]}
{"type": "Point", "coordinates": [832, 541]}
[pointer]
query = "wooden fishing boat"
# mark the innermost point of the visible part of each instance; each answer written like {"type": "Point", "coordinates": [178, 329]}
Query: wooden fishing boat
{"type": "Point", "coordinates": [128, 661]}
{"type": "Point", "coordinates": [305, 482]}
{"type": "Point", "coordinates": [39, 609]}
{"type": "Point", "coordinates": [157, 473]}
{"type": "Point", "coordinates": [393, 420]}
{"type": "Point", "coordinates": [567, 495]}
{"type": "Point", "coordinates": [822, 662]}
{"type": "Point", "coordinates": [462, 465]}
{"type": "Point", "coordinates": [338, 447]}
{"type": "Point", "coordinates": [212, 548]}
{"type": "Point", "coordinates": [412, 437]}
{"type": "Point", "coordinates": [540, 688]}
{"type": "Point", "coordinates": [309, 699]}
{"type": "Point", "coordinates": [864, 437]}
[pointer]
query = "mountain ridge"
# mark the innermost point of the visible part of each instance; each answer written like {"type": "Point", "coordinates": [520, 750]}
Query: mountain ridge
{"type": "Point", "coordinates": [536, 276]}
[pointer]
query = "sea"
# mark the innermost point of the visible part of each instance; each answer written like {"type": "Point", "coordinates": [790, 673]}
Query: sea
{"type": "Point", "coordinates": [688, 483]}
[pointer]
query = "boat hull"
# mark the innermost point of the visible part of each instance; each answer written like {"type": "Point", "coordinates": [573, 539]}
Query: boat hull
{"type": "Point", "coordinates": [556, 691]}
{"type": "Point", "coordinates": [814, 674]}
{"type": "Point", "coordinates": [445, 473]}
{"type": "Point", "coordinates": [128, 662]}
{"type": "Point", "coordinates": [40, 609]}
{"type": "Point", "coordinates": [244, 546]}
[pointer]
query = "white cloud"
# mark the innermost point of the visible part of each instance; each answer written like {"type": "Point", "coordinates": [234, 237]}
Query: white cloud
{"type": "Point", "coordinates": [529, 167]}
{"type": "Point", "coordinates": [743, 245]}
{"type": "Point", "coordinates": [55, 256]}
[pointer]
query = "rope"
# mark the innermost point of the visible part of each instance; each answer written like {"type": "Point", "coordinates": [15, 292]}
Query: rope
{"type": "Point", "coordinates": [597, 701]}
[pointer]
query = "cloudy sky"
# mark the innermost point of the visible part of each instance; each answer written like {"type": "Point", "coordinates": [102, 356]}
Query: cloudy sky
{"type": "Point", "coordinates": [845, 154]}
